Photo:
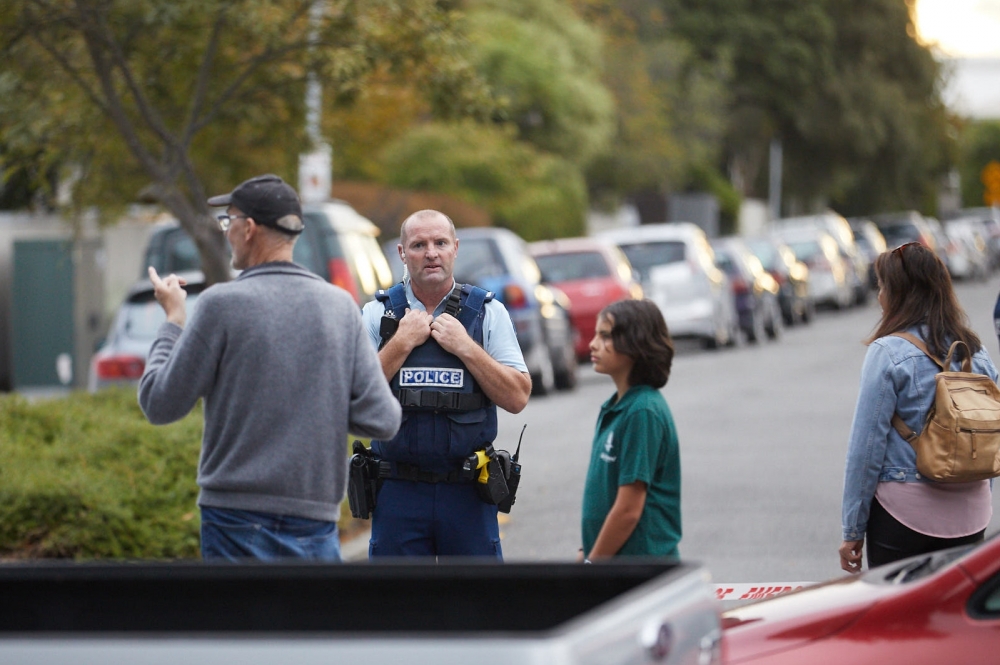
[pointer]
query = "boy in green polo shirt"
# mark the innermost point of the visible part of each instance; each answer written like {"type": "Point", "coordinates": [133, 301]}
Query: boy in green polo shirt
{"type": "Point", "coordinates": [632, 498]}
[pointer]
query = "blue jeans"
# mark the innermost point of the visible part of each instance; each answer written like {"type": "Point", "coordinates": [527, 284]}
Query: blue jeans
{"type": "Point", "coordinates": [243, 534]}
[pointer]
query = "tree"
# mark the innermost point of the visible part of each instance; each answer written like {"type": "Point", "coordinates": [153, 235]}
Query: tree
{"type": "Point", "coordinates": [545, 64]}
{"type": "Point", "coordinates": [172, 100]}
{"type": "Point", "coordinates": [536, 194]}
{"type": "Point", "coordinates": [980, 145]}
{"type": "Point", "coordinates": [669, 103]}
{"type": "Point", "coordinates": [553, 115]}
{"type": "Point", "coordinates": [853, 98]}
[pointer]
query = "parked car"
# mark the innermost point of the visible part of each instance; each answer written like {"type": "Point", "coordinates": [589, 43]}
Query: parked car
{"type": "Point", "coordinates": [943, 247]}
{"type": "Point", "coordinates": [338, 244]}
{"type": "Point", "coordinates": [121, 359]}
{"type": "Point", "coordinates": [899, 228]}
{"type": "Point", "coordinates": [592, 273]}
{"type": "Point", "coordinates": [856, 263]}
{"type": "Point", "coordinates": [828, 273]}
{"type": "Point", "coordinates": [754, 290]}
{"type": "Point", "coordinates": [989, 221]}
{"type": "Point", "coordinates": [968, 249]}
{"type": "Point", "coordinates": [676, 267]}
{"type": "Point", "coordinates": [871, 243]}
{"type": "Point", "coordinates": [926, 610]}
{"type": "Point", "coordinates": [792, 277]}
{"type": "Point", "coordinates": [498, 260]}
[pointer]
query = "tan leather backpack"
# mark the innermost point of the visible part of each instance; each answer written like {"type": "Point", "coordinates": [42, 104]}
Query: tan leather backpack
{"type": "Point", "coordinates": [960, 441]}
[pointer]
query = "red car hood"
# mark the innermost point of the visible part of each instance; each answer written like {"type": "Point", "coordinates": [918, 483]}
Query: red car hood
{"type": "Point", "coordinates": [786, 621]}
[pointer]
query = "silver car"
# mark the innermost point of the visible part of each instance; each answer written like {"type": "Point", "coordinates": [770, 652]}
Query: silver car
{"type": "Point", "coordinates": [676, 266]}
{"type": "Point", "coordinates": [122, 358]}
{"type": "Point", "coordinates": [829, 274]}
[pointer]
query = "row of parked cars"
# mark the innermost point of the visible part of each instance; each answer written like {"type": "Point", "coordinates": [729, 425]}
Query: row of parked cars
{"type": "Point", "coordinates": [719, 291]}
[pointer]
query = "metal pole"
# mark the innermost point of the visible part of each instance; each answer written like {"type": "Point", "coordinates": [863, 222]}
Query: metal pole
{"type": "Point", "coordinates": [315, 166]}
{"type": "Point", "coordinates": [774, 180]}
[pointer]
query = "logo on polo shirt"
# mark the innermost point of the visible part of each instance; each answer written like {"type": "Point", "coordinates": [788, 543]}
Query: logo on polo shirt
{"type": "Point", "coordinates": [609, 446]}
{"type": "Point", "coordinates": [431, 377]}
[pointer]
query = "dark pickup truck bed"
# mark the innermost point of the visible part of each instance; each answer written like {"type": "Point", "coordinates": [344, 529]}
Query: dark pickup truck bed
{"type": "Point", "coordinates": [461, 612]}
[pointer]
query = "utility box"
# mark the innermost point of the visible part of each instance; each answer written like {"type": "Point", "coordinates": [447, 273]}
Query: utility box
{"type": "Point", "coordinates": [42, 313]}
{"type": "Point", "coordinates": [51, 303]}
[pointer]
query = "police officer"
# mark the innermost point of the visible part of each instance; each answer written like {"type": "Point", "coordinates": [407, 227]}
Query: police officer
{"type": "Point", "coordinates": [451, 359]}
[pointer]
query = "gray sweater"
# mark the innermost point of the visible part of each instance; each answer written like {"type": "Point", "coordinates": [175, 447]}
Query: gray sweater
{"type": "Point", "coordinates": [286, 370]}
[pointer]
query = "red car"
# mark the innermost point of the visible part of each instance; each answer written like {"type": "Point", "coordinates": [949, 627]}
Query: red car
{"type": "Point", "coordinates": [592, 273]}
{"type": "Point", "coordinates": [936, 608]}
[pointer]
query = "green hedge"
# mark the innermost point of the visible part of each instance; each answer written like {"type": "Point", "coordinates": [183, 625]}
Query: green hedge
{"type": "Point", "coordinates": [87, 477]}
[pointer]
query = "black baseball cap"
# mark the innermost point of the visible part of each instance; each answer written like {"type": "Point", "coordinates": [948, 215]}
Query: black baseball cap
{"type": "Point", "coordinates": [267, 199]}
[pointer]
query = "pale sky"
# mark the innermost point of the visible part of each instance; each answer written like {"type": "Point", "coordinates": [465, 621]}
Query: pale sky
{"type": "Point", "coordinates": [961, 28]}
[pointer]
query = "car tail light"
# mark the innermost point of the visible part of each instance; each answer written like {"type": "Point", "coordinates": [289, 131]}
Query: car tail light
{"type": "Point", "coordinates": [514, 296]}
{"type": "Point", "coordinates": [120, 367]}
{"type": "Point", "coordinates": [778, 277]}
{"type": "Point", "coordinates": [740, 286]}
{"type": "Point", "coordinates": [340, 275]}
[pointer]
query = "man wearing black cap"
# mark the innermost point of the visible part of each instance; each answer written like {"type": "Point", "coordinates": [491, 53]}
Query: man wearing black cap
{"type": "Point", "coordinates": [286, 371]}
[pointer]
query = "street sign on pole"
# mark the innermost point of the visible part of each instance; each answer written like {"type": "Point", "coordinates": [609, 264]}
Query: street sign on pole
{"type": "Point", "coordinates": [315, 174]}
{"type": "Point", "coordinates": [991, 183]}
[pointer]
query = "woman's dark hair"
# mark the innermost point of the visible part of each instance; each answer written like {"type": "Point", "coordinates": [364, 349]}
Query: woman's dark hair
{"type": "Point", "coordinates": [917, 290]}
{"type": "Point", "coordinates": [639, 332]}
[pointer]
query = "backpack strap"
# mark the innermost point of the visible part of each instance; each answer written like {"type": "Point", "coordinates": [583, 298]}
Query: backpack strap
{"type": "Point", "coordinates": [966, 362]}
{"type": "Point", "coordinates": [904, 430]}
{"type": "Point", "coordinates": [919, 343]}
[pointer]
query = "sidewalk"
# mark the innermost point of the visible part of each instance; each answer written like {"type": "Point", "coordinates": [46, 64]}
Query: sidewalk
{"type": "Point", "coordinates": [356, 548]}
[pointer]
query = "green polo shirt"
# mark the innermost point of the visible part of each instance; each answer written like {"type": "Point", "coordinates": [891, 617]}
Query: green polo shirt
{"type": "Point", "coordinates": [636, 440]}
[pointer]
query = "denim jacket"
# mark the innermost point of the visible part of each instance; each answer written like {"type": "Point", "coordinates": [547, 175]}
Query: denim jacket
{"type": "Point", "coordinates": [896, 377]}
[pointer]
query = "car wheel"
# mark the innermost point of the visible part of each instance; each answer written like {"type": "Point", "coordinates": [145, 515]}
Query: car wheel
{"type": "Point", "coordinates": [788, 316]}
{"type": "Point", "coordinates": [776, 326]}
{"type": "Point", "coordinates": [565, 369]}
{"type": "Point", "coordinates": [721, 336]}
{"type": "Point", "coordinates": [757, 330]}
{"type": "Point", "coordinates": [543, 374]}
{"type": "Point", "coordinates": [808, 310]}
{"type": "Point", "coordinates": [737, 336]}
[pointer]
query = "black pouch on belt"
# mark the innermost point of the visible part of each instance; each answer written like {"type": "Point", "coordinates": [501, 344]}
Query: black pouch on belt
{"type": "Point", "coordinates": [490, 481]}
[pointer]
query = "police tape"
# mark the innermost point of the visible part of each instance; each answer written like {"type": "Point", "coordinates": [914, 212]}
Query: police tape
{"type": "Point", "coordinates": [756, 591]}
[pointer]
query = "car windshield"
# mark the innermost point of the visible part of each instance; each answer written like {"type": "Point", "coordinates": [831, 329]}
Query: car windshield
{"type": "Point", "coordinates": [920, 567]}
{"type": "Point", "coordinates": [142, 316]}
{"type": "Point", "coordinates": [572, 265]}
{"type": "Point", "coordinates": [805, 250]}
{"type": "Point", "coordinates": [726, 263]}
{"type": "Point", "coordinates": [645, 255]}
{"type": "Point", "coordinates": [899, 234]}
{"type": "Point", "coordinates": [478, 258]}
{"type": "Point", "coordinates": [178, 253]}
{"type": "Point", "coordinates": [767, 253]}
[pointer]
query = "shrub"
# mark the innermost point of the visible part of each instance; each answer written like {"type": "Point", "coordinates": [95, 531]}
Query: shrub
{"type": "Point", "coordinates": [88, 477]}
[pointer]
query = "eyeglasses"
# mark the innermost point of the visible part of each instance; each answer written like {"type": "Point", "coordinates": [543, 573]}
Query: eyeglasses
{"type": "Point", "coordinates": [226, 220]}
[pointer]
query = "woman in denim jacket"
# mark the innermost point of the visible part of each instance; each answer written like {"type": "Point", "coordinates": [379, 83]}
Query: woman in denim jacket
{"type": "Point", "coordinates": [886, 501]}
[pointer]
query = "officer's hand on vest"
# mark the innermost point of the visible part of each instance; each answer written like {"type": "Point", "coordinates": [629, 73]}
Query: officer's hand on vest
{"type": "Point", "coordinates": [450, 334]}
{"type": "Point", "coordinates": [414, 328]}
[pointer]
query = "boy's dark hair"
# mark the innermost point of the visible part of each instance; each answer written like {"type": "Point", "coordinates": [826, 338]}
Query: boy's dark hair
{"type": "Point", "coordinates": [639, 332]}
{"type": "Point", "coordinates": [918, 290]}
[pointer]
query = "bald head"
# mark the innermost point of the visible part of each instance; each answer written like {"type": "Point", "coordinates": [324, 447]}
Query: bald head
{"type": "Point", "coordinates": [424, 215]}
